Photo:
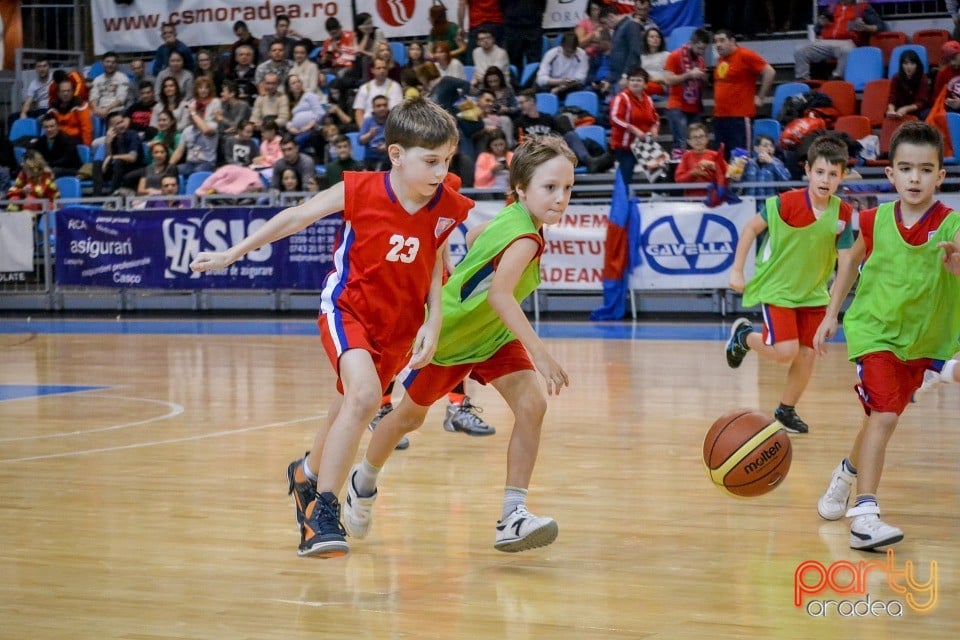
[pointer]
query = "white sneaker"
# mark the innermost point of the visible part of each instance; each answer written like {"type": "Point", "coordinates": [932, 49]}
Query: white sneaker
{"type": "Point", "coordinates": [833, 503]}
{"type": "Point", "coordinates": [357, 510]}
{"type": "Point", "coordinates": [522, 530]}
{"type": "Point", "coordinates": [868, 531]}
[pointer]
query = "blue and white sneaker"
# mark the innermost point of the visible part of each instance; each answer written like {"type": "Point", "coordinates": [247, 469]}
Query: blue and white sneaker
{"type": "Point", "coordinates": [522, 530]}
{"type": "Point", "coordinates": [736, 348]}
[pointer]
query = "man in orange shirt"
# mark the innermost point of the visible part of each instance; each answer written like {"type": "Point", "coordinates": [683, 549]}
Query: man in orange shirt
{"type": "Point", "coordinates": [734, 86]}
{"type": "Point", "coordinates": [685, 72]}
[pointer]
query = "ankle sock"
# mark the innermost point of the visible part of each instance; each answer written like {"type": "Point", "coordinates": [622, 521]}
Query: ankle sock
{"type": "Point", "coordinates": [865, 499]}
{"type": "Point", "coordinates": [513, 497]}
{"type": "Point", "coordinates": [306, 471]}
{"type": "Point", "coordinates": [848, 467]}
{"type": "Point", "coordinates": [365, 480]}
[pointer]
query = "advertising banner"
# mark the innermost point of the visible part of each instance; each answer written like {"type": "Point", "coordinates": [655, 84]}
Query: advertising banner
{"type": "Point", "coordinates": [136, 27]}
{"type": "Point", "coordinates": [16, 241]}
{"type": "Point", "coordinates": [154, 248]}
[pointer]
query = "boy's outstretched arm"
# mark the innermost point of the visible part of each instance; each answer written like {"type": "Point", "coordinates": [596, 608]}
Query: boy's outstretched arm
{"type": "Point", "coordinates": [285, 223]}
{"type": "Point", "coordinates": [951, 255]}
{"type": "Point", "coordinates": [425, 344]}
{"type": "Point", "coordinates": [847, 271]}
{"type": "Point", "coordinates": [514, 260]}
{"type": "Point", "coordinates": [748, 238]}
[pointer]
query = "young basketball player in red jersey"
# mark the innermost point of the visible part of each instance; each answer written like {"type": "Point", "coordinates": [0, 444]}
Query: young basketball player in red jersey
{"type": "Point", "coordinates": [387, 270]}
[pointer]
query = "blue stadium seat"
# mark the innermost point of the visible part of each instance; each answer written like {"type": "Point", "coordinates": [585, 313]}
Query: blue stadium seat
{"type": "Point", "coordinates": [84, 152]}
{"type": "Point", "coordinates": [953, 127]}
{"type": "Point", "coordinates": [24, 128]}
{"type": "Point", "coordinates": [18, 153]}
{"type": "Point", "coordinates": [548, 103]}
{"type": "Point", "coordinates": [96, 70]}
{"type": "Point", "coordinates": [863, 65]}
{"type": "Point", "coordinates": [194, 180]}
{"type": "Point", "coordinates": [586, 100]}
{"type": "Point", "coordinates": [768, 127]}
{"type": "Point", "coordinates": [399, 51]}
{"type": "Point", "coordinates": [69, 187]}
{"type": "Point", "coordinates": [529, 71]}
{"type": "Point", "coordinates": [596, 133]}
{"type": "Point", "coordinates": [895, 58]}
{"type": "Point", "coordinates": [679, 37]}
{"type": "Point", "coordinates": [468, 71]}
{"type": "Point", "coordinates": [784, 91]}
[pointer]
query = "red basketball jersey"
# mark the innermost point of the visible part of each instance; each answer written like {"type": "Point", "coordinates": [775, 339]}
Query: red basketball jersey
{"type": "Point", "coordinates": [384, 258]}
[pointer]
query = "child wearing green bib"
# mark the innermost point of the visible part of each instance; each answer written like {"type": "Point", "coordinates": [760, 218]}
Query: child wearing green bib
{"type": "Point", "coordinates": [486, 335]}
{"type": "Point", "coordinates": [902, 324]}
{"type": "Point", "coordinates": [807, 228]}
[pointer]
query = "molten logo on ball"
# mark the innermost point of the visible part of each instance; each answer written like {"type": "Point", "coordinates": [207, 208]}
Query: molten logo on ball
{"type": "Point", "coordinates": [763, 458]}
{"type": "Point", "coordinates": [396, 13]}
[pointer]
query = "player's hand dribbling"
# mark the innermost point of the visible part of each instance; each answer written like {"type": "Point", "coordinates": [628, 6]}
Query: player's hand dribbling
{"type": "Point", "coordinates": [552, 373]}
{"type": "Point", "coordinates": [210, 261]}
{"type": "Point", "coordinates": [826, 330]}
{"type": "Point", "coordinates": [951, 256]}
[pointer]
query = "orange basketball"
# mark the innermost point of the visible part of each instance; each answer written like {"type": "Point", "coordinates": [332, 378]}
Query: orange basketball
{"type": "Point", "coordinates": [747, 453]}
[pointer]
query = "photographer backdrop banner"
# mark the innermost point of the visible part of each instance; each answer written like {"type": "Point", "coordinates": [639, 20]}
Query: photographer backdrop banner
{"type": "Point", "coordinates": [136, 27]}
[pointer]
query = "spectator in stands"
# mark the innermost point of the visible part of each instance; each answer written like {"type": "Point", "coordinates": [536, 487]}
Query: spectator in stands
{"type": "Point", "coordinates": [563, 68]}
{"type": "Point", "coordinates": [523, 30]}
{"type": "Point", "coordinates": [442, 30]}
{"type": "Point", "coordinates": [700, 164]}
{"type": "Point", "coordinates": [641, 15]}
{"type": "Point", "coordinates": [271, 104]}
{"type": "Point", "coordinates": [949, 66]}
{"type": "Point", "coordinates": [909, 89]}
{"type": "Point", "coordinates": [34, 182]}
{"type": "Point", "coordinates": [410, 84]}
{"type": "Point", "coordinates": [244, 37]}
{"type": "Point", "coordinates": [59, 150]}
{"type": "Point", "coordinates": [140, 113]}
{"type": "Point", "coordinates": [110, 89]}
{"type": "Point", "coordinates": [161, 58]}
{"type": "Point", "coordinates": [493, 164]}
{"type": "Point", "coordinates": [626, 49]}
{"type": "Point", "coordinates": [492, 121]}
{"type": "Point", "coordinates": [485, 16]}
{"type": "Point", "coordinates": [486, 55]}
{"type": "Point", "coordinates": [632, 116]}
{"type": "Point", "coordinates": [206, 67]}
{"type": "Point", "coordinates": [277, 63]}
{"type": "Point", "coordinates": [505, 99]}
{"type": "Point", "coordinates": [171, 99]}
{"type": "Point", "coordinates": [139, 75]}
{"type": "Point", "coordinates": [339, 113]}
{"type": "Point", "coordinates": [167, 132]}
{"type": "Point", "coordinates": [443, 90]}
{"type": "Point", "coordinates": [734, 83]}
{"type": "Point", "coordinates": [150, 182]}
{"type": "Point", "coordinates": [343, 160]}
{"type": "Point", "coordinates": [292, 182]}
{"type": "Point", "coordinates": [764, 166]}
{"type": "Point", "coordinates": [339, 52]}
{"type": "Point", "coordinates": [197, 150]}
{"type": "Point", "coordinates": [372, 135]}
{"type": "Point", "coordinates": [124, 153]}
{"type": "Point", "coordinates": [415, 55]}
{"type": "Point", "coordinates": [305, 68]}
{"type": "Point", "coordinates": [848, 25]}
{"type": "Point", "coordinates": [175, 69]}
{"type": "Point", "coordinates": [368, 36]}
{"type": "Point", "coordinates": [685, 72]}
{"type": "Point", "coordinates": [37, 100]}
{"type": "Point", "coordinates": [306, 110]}
{"type": "Point", "coordinates": [72, 114]}
{"type": "Point", "coordinates": [284, 35]}
{"type": "Point", "coordinates": [381, 85]}
{"type": "Point", "coordinates": [242, 71]}
{"type": "Point", "coordinates": [239, 148]}
{"type": "Point", "coordinates": [292, 159]}
{"type": "Point", "coordinates": [446, 64]}
{"type": "Point", "coordinates": [80, 88]}
{"type": "Point", "coordinates": [233, 110]}
{"type": "Point", "coordinates": [202, 109]}
{"type": "Point", "coordinates": [531, 122]}
{"type": "Point", "coordinates": [654, 59]}
{"type": "Point", "coordinates": [591, 29]}
{"type": "Point", "coordinates": [270, 151]}
{"type": "Point", "coordinates": [385, 53]}
{"type": "Point", "coordinates": [169, 187]}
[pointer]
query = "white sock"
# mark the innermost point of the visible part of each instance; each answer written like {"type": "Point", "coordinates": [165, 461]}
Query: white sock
{"type": "Point", "coordinates": [306, 471]}
{"type": "Point", "coordinates": [513, 497]}
{"type": "Point", "coordinates": [365, 481]}
{"type": "Point", "coordinates": [948, 372]}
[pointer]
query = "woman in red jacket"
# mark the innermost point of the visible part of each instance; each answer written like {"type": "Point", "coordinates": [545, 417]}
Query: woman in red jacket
{"type": "Point", "coordinates": [632, 116]}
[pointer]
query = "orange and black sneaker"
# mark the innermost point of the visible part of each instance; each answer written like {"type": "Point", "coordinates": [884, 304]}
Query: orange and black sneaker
{"type": "Point", "coordinates": [322, 535]}
{"type": "Point", "coordinates": [300, 487]}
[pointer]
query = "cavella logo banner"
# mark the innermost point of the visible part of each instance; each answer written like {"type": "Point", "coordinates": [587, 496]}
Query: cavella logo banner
{"type": "Point", "coordinates": [154, 248]}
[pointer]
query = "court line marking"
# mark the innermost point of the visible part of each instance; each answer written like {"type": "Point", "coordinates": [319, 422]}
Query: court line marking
{"type": "Point", "coordinates": [177, 410]}
{"type": "Point", "coordinates": [140, 445]}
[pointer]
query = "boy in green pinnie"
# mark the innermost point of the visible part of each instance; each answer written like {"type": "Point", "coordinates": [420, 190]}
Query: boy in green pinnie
{"type": "Point", "coordinates": [807, 228]}
{"type": "Point", "coordinates": [903, 323]}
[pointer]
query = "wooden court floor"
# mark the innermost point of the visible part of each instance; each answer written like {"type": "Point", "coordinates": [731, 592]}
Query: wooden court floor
{"type": "Point", "coordinates": [153, 505]}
